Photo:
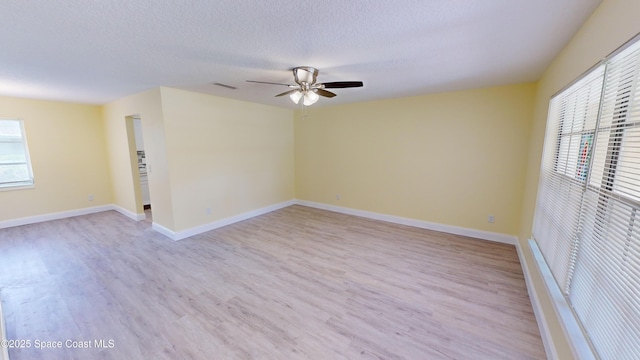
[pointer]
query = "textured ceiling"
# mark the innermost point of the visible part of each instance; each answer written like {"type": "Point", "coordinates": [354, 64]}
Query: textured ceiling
{"type": "Point", "coordinates": [96, 51]}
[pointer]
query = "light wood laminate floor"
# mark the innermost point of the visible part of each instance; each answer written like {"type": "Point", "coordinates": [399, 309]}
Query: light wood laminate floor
{"type": "Point", "coordinates": [297, 283]}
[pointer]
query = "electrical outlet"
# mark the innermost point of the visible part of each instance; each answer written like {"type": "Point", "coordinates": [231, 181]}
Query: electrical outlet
{"type": "Point", "coordinates": [208, 211]}
{"type": "Point", "coordinates": [491, 219]}
{"type": "Point", "coordinates": [90, 197]}
{"type": "Point", "coordinates": [337, 196]}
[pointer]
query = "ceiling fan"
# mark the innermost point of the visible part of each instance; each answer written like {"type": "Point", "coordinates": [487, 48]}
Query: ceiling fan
{"type": "Point", "coordinates": [307, 89]}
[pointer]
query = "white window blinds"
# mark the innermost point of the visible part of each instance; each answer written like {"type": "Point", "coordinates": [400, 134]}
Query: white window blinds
{"type": "Point", "coordinates": [589, 193]}
{"type": "Point", "coordinates": [15, 166]}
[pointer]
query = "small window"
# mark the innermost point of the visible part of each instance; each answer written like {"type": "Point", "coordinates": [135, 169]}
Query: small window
{"type": "Point", "coordinates": [15, 165]}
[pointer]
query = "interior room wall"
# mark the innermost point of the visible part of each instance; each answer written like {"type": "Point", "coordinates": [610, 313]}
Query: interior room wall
{"type": "Point", "coordinates": [449, 158]}
{"type": "Point", "coordinates": [611, 25]}
{"type": "Point", "coordinates": [68, 155]}
{"type": "Point", "coordinates": [226, 157]}
{"type": "Point", "coordinates": [121, 145]}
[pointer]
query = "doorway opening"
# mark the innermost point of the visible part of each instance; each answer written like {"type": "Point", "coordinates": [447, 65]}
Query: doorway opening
{"type": "Point", "coordinates": [139, 166]}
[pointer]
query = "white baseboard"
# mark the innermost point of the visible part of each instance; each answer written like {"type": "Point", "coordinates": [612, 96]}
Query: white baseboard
{"type": "Point", "coordinates": [71, 213]}
{"type": "Point", "coordinates": [131, 215]}
{"type": "Point", "coordinates": [164, 231]}
{"type": "Point", "coordinates": [543, 326]}
{"type": "Point", "coordinates": [179, 235]}
{"type": "Point", "coordinates": [183, 234]}
{"type": "Point", "coordinates": [4, 350]}
{"type": "Point", "coordinates": [53, 216]}
{"type": "Point", "coordinates": [479, 234]}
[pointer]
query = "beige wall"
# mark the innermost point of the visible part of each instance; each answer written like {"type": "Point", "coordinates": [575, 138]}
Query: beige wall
{"type": "Point", "coordinates": [226, 155]}
{"type": "Point", "coordinates": [450, 158]}
{"type": "Point", "coordinates": [203, 152]}
{"type": "Point", "coordinates": [611, 25]}
{"type": "Point", "coordinates": [121, 145]}
{"type": "Point", "coordinates": [68, 155]}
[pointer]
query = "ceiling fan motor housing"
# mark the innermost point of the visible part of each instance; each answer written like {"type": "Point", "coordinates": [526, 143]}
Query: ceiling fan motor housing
{"type": "Point", "coordinates": [305, 75]}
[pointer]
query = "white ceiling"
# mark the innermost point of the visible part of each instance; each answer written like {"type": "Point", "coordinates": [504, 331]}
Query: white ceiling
{"type": "Point", "coordinates": [96, 51]}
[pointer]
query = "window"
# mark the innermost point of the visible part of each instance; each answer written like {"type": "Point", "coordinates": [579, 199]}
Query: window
{"type": "Point", "coordinates": [587, 219]}
{"type": "Point", "coordinates": [15, 166]}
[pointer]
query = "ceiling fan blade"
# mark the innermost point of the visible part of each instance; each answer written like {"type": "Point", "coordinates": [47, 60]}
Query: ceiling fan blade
{"type": "Point", "coordinates": [269, 83]}
{"type": "Point", "coordinates": [342, 84]}
{"type": "Point", "coordinates": [324, 93]}
{"type": "Point", "coordinates": [287, 92]}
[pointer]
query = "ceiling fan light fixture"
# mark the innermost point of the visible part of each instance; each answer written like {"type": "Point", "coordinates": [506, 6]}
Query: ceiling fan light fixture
{"type": "Point", "coordinates": [295, 96]}
{"type": "Point", "coordinates": [310, 98]}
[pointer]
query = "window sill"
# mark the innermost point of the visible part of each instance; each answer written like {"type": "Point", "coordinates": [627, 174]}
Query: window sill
{"type": "Point", "coordinates": [579, 344]}
{"type": "Point", "coordinates": [17, 187]}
